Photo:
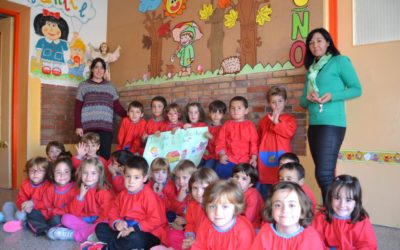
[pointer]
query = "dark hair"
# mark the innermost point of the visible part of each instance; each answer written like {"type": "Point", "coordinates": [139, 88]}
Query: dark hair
{"type": "Point", "coordinates": [137, 162]}
{"type": "Point", "coordinates": [249, 170]}
{"type": "Point", "coordinates": [306, 216]}
{"type": "Point", "coordinates": [207, 175]}
{"type": "Point", "coordinates": [240, 99]}
{"type": "Point", "coordinates": [309, 57]}
{"type": "Point", "coordinates": [65, 160]}
{"type": "Point", "coordinates": [173, 106]}
{"type": "Point", "coordinates": [136, 104]}
{"type": "Point", "coordinates": [289, 155]}
{"type": "Point", "coordinates": [159, 99]}
{"type": "Point", "coordinates": [202, 114]}
{"type": "Point", "coordinates": [65, 154]}
{"type": "Point", "coordinates": [294, 166]}
{"type": "Point", "coordinates": [41, 20]}
{"type": "Point", "coordinates": [121, 156]}
{"type": "Point", "coordinates": [276, 91]}
{"type": "Point", "coordinates": [217, 106]}
{"type": "Point", "coordinates": [38, 161]}
{"type": "Point", "coordinates": [354, 192]}
{"type": "Point", "coordinates": [55, 144]}
{"type": "Point", "coordinates": [93, 65]}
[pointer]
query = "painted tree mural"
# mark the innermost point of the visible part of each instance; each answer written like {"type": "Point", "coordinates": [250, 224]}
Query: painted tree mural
{"type": "Point", "coordinates": [249, 13]}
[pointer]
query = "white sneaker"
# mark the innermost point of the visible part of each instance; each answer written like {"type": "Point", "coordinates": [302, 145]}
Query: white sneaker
{"type": "Point", "coordinates": [60, 233]}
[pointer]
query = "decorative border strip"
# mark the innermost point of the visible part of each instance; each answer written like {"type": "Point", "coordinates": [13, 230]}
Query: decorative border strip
{"type": "Point", "coordinates": [388, 157]}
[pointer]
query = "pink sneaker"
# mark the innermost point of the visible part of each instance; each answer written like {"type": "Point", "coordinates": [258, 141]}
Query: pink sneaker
{"type": "Point", "coordinates": [12, 226]}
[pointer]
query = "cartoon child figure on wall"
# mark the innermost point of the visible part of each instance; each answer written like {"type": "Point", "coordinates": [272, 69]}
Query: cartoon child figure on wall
{"type": "Point", "coordinates": [104, 53]}
{"type": "Point", "coordinates": [77, 62]}
{"type": "Point", "coordinates": [50, 48]}
{"type": "Point", "coordinates": [185, 33]}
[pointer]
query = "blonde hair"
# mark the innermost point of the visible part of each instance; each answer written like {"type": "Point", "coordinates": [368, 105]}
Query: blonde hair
{"type": "Point", "coordinates": [91, 137]}
{"type": "Point", "coordinates": [186, 166]}
{"type": "Point", "coordinates": [159, 163]}
{"type": "Point", "coordinates": [78, 43]}
{"type": "Point", "coordinates": [228, 188]}
{"type": "Point", "coordinates": [102, 183]}
{"type": "Point", "coordinates": [206, 175]}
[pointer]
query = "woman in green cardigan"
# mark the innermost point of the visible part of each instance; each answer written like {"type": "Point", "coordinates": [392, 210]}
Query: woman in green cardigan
{"type": "Point", "coordinates": [330, 81]}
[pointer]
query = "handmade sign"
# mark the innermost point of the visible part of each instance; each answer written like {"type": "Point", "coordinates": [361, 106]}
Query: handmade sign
{"type": "Point", "coordinates": [184, 144]}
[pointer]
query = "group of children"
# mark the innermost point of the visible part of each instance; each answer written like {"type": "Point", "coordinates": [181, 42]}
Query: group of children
{"type": "Point", "coordinates": [123, 203]}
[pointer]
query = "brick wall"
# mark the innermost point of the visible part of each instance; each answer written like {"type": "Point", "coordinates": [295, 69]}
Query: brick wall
{"type": "Point", "coordinates": [57, 123]}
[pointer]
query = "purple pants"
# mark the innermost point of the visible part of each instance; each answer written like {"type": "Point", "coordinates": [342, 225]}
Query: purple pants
{"type": "Point", "coordinates": [82, 229]}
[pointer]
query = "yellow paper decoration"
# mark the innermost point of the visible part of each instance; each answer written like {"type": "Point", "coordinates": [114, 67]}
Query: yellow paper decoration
{"type": "Point", "coordinates": [231, 18]}
{"type": "Point", "coordinates": [206, 11]}
{"type": "Point", "coordinates": [263, 15]}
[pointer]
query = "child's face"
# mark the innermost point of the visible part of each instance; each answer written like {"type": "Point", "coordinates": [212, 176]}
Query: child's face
{"type": "Point", "coordinates": [343, 204]}
{"type": "Point", "coordinates": [243, 180]}
{"type": "Point", "coordinates": [238, 111]}
{"type": "Point", "coordinates": [118, 166]}
{"type": "Point", "coordinates": [182, 179]}
{"type": "Point", "coordinates": [221, 212]}
{"type": "Point", "coordinates": [36, 174]}
{"type": "Point", "coordinates": [51, 30]}
{"type": "Point", "coordinates": [135, 114]}
{"type": "Point", "coordinates": [194, 114]}
{"type": "Point", "coordinates": [62, 174]}
{"type": "Point", "coordinates": [286, 210]}
{"type": "Point", "coordinates": [160, 176]}
{"type": "Point", "coordinates": [90, 175]}
{"type": "Point", "coordinates": [198, 188]}
{"type": "Point", "coordinates": [134, 179]}
{"type": "Point", "coordinates": [173, 116]}
{"type": "Point", "coordinates": [157, 108]}
{"type": "Point", "coordinates": [53, 153]}
{"type": "Point", "coordinates": [216, 117]}
{"type": "Point", "coordinates": [92, 148]}
{"type": "Point", "coordinates": [185, 39]}
{"type": "Point", "coordinates": [277, 103]}
{"type": "Point", "coordinates": [290, 175]}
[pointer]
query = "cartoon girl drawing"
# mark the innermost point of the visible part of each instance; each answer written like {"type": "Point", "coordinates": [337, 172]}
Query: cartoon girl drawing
{"type": "Point", "coordinates": [50, 48]}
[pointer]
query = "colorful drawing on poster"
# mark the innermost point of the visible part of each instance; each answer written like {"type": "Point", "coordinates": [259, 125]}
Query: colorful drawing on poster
{"type": "Point", "coordinates": [184, 144]}
{"type": "Point", "coordinates": [173, 8]}
{"type": "Point", "coordinates": [186, 33]}
{"type": "Point", "coordinates": [370, 156]}
{"type": "Point", "coordinates": [148, 5]}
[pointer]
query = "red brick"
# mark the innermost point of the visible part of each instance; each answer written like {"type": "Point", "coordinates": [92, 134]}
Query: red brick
{"type": "Point", "coordinates": [296, 72]}
{"type": "Point", "coordinates": [257, 89]}
{"type": "Point", "coordinates": [280, 73]}
{"type": "Point", "coordinates": [280, 80]}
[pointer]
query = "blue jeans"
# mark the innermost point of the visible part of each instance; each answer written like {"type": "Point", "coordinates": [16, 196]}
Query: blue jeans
{"type": "Point", "coordinates": [224, 171]}
{"type": "Point", "coordinates": [210, 163]}
{"type": "Point", "coordinates": [325, 142]}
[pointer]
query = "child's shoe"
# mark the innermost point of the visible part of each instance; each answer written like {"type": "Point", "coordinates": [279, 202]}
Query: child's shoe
{"type": "Point", "coordinates": [60, 233]}
{"type": "Point", "coordinates": [87, 245]}
{"type": "Point", "coordinates": [2, 218]}
{"type": "Point", "coordinates": [12, 226]}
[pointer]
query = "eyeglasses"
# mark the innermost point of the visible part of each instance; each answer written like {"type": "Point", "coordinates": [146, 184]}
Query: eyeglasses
{"type": "Point", "coordinates": [39, 171]}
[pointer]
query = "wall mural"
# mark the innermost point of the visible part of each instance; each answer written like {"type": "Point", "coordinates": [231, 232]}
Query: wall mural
{"type": "Point", "coordinates": [62, 34]}
{"type": "Point", "coordinates": [220, 16]}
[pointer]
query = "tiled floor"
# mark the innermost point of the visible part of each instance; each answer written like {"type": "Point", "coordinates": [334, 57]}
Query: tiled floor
{"type": "Point", "coordinates": [388, 238]}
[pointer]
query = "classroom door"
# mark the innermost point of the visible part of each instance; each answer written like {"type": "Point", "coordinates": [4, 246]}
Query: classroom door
{"type": "Point", "coordinates": [6, 62]}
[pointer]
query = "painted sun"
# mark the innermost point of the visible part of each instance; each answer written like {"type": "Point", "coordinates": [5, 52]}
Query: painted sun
{"type": "Point", "coordinates": [173, 8]}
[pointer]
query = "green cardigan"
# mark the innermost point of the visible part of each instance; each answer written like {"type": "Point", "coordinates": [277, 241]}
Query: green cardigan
{"type": "Point", "coordinates": [339, 78]}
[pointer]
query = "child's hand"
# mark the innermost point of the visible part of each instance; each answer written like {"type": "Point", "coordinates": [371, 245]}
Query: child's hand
{"type": "Point", "coordinates": [157, 133]}
{"type": "Point", "coordinates": [84, 189]}
{"type": "Point", "coordinates": [112, 168]}
{"type": "Point", "coordinates": [125, 232]}
{"type": "Point", "coordinates": [121, 225]}
{"type": "Point", "coordinates": [158, 187]}
{"type": "Point", "coordinates": [81, 149]}
{"type": "Point", "coordinates": [275, 116]}
{"type": "Point", "coordinates": [253, 160]}
{"type": "Point", "coordinates": [174, 130]}
{"type": "Point", "coordinates": [144, 137]}
{"type": "Point", "coordinates": [188, 242]}
{"type": "Point", "coordinates": [27, 206]}
{"type": "Point", "coordinates": [187, 125]}
{"type": "Point", "coordinates": [182, 194]}
{"type": "Point", "coordinates": [223, 158]}
{"type": "Point", "coordinates": [208, 135]}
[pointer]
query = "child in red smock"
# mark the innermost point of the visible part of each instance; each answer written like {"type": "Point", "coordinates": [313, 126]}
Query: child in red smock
{"type": "Point", "coordinates": [154, 124]}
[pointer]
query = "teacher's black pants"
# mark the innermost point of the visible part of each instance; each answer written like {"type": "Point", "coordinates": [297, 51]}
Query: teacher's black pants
{"type": "Point", "coordinates": [325, 142]}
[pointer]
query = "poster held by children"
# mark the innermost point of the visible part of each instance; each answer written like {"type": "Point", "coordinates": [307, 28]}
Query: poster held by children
{"type": "Point", "coordinates": [184, 144]}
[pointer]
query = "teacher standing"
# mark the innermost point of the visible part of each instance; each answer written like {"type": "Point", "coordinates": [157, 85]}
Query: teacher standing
{"type": "Point", "coordinates": [330, 81]}
{"type": "Point", "coordinates": [95, 104]}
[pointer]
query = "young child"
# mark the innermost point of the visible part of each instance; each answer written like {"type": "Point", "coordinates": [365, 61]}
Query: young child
{"type": "Point", "coordinates": [87, 148]}
{"type": "Point", "coordinates": [226, 228]}
{"type": "Point", "coordinates": [247, 178]}
{"type": "Point", "coordinates": [54, 149]}
{"type": "Point", "coordinates": [173, 116]}
{"type": "Point", "coordinates": [195, 116]}
{"type": "Point", "coordinates": [237, 140]}
{"type": "Point", "coordinates": [56, 197]}
{"type": "Point", "coordinates": [89, 207]}
{"type": "Point", "coordinates": [30, 195]}
{"type": "Point", "coordinates": [116, 169]}
{"type": "Point", "coordinates": [294, 172]}
{"type": "Point", "coordinates": [154, 124]}
{"type": "Point", "coordinates": [275, 131]}
{"type": "Point", "coordinates": [132, 129]}
{"type": "Point", "coordinates": [160, 181]}
{"type": "Point", "coordinates": [288, 211]}
{"type": "Point", "coordinates": [344, 224]}
{"type": "Point", "coordinates": [136, 219]}
{"type": "Point", "coordinates": [216, 110]}
{"type": "Point", "coordinates": [195, 213]}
